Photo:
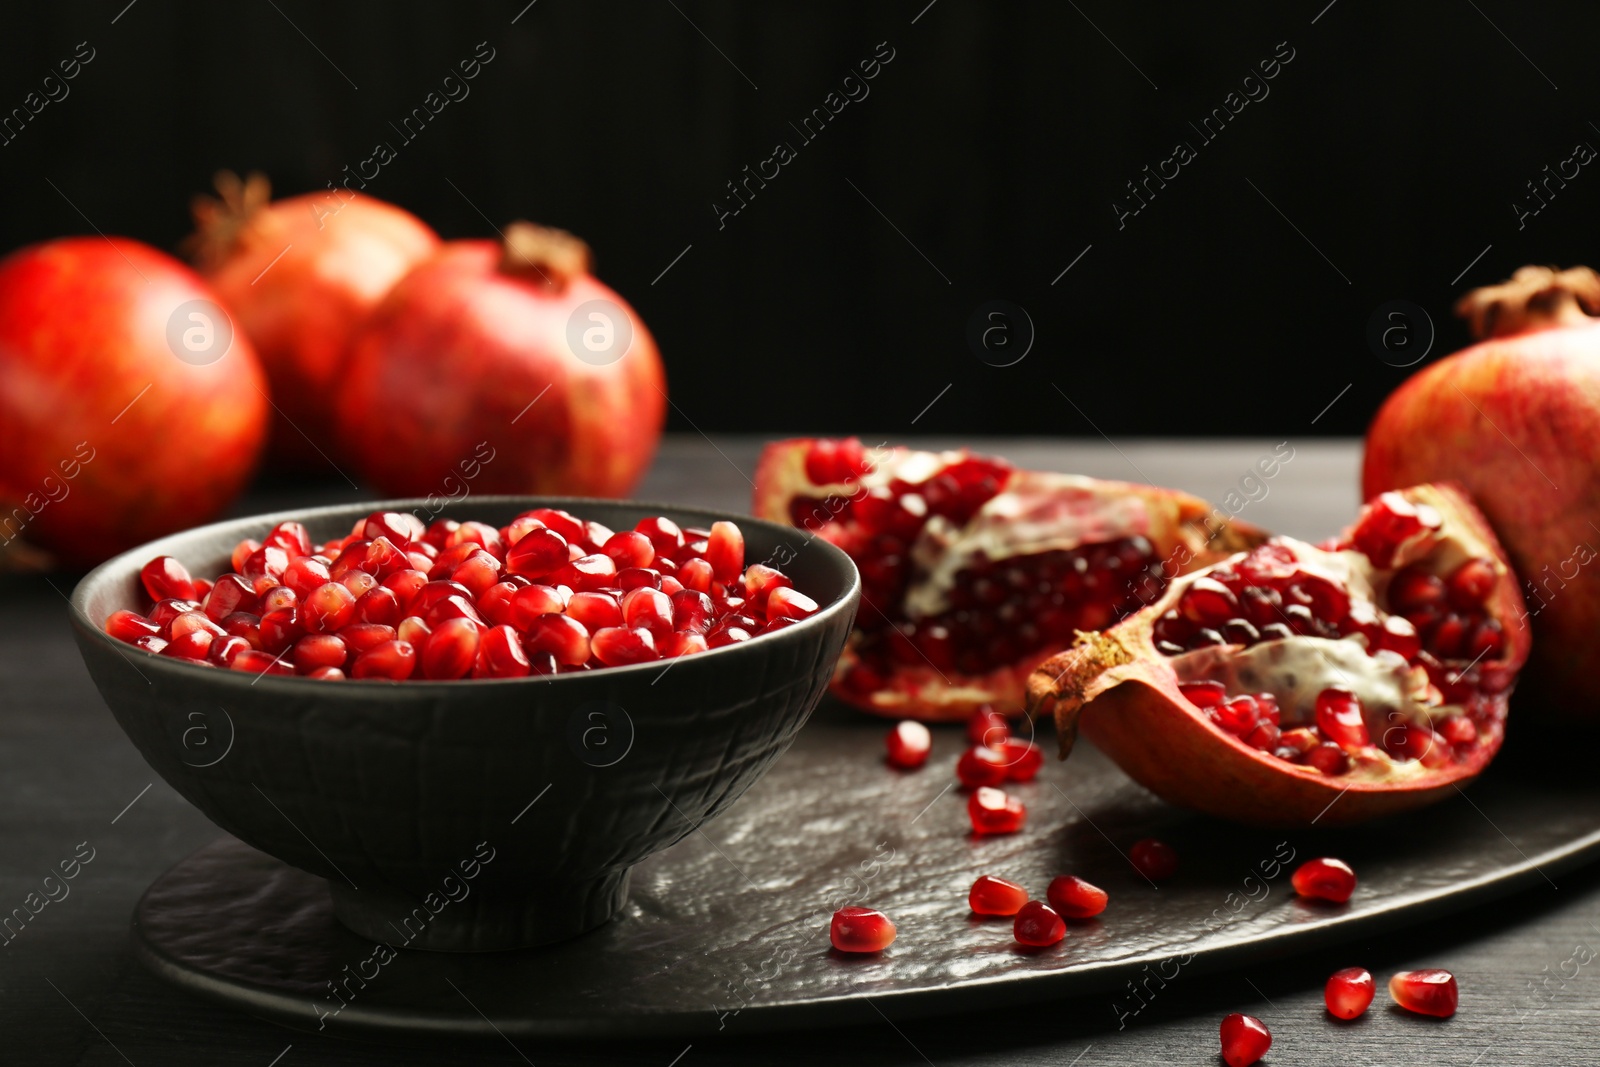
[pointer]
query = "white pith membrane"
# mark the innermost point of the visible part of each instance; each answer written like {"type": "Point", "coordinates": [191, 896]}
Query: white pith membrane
{"type": "Point", "coordinates": [1295, 670]}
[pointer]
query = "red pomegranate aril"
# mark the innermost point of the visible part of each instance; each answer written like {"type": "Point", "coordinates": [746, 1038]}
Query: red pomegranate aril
{"type": "Point", "coordinates": [1037, 925]}
{"type": "Point", "coordinates": [164, 578]}
{"type": "Point", "coordinates": [586, 573]}
{"type": "Point", "coordinates": [280, 629]}
{"type": "Point", "coordinates": [992, 811]}
{"type": "Point", "coordinates": [1245, 1039]}
{"type": "Point", "coordinates": [1339, 717]}
{"type": "Point", "coordinates": [243, 624]}
{"type": "Point", "coordinates": [451, 650]}
{"type": "Point", "coordinates": [329, 607]}
{"type": "Point", "coordinates": [682, 643]}
{"type": "Point", "coordinates": [759, 582]}
{"type": "Point", "coordinates": [1348, 993]}
{"type": "Point", "coordinates": [478, 533]}
{"type": "Point", "coordinates": [1458, 730]}
{"type": "Point", "coordinates": [304, 574]}
{"type": "Point", "coordinates": [1470, 584]}
{"type": "Point", "coordinates": [1075, 898]}
{"type": "Point", "coordinates": [1023, 759]}
{"type": "Point", "coordinates": [692, 611]}
{"type": "Point", "coordinates": [1204, 694]}
{"type": "Point", "coordinates": [406, 585]}
{"type": "Point", "coordinates": [452, 607]}
{"type": "Point", "coordinates": [1328, 758]}
{"type": "Point", "coordinates": [129, 626]}
{"type": "Point", "coordinates": [723, 636]}
{"type": "Point", "coordinates": [399, 527]}
{"type": "Point", "coordinates": [790, 604]}
{"type": "Point", "coordinates": [1325, 878]}
{"type": "Point", "coordinates": [908, 743]}
{"type": "Point", "coordinates": [696, 574]}
{"type": "Point", "coordinates": [1208, 602]}
{"type": "Point", "coordinates": [533, 601]}
{"type": "Point", "coordinates": [988, 727]}
{"type": "Point", "coordinates": [1428, 992]}
{"type": "Point", "coordinates": [858, 929]}
{"type": "Point", "coordinates": [391, 660]}
{"type": "Point", "coordinates": [1485, 641]}
{"type": "Point", "coordinates": [477, 572]}
{"type": "Point", "coordinates": [630, 548]}
{"type": "Point", "coordinates": [291, 537]}
{"type": "Point", "coordinates": [617, 646]}
{"type": "Point", "coordinates": [648, 609]}
{"type": "Point", "coordinates": [1265, 737]}
{"type": "Point", "coordinates": [1414, 589]}
{"type": "Point", "coordinates": [595, 610]}
{"type": "Point", "coordinates": [725, 551]}
{"type": "Point", "coordinates": [500, 655]}
{"type": "Point", "coordinates": [631, 578]}
{"type": "Point", "coordinates": [189, 621]}
{"type": "Point", "coordinates": [981, 766]}
{"type": "Point", "coordinates": [665, 535]}
{"type": "Point", "coordinates": [251, 661]}
{"type": "Point", "coordinates": [562, 636]}
{"type": "Point", "coordinates": [230, 593]}
{"type": "Point", "coordinates": [996, 896]}
{"type": "Point", "coordinates": [413, 630]}
{"type": "Point", "coordinates": [318, 650]}
{"type": "Point", "coordinates": [832, 462]}
{"type": "Point", "coordinates": [165, 611]}
{"type": "Point", "coordinates": [325, 674]}
{"type": "Point", "coordinates": [1238, 716]}
{"type": "Point", "coordinates": [241, 552]}
{"type": "Point", "coordinates": [1390, 521]}
{"type": "Point", "coordinates": [191, 645]}
{"type": "Point", "coordinates": [538, 553]}
{"type": "Point", "coordinates": [265, 567]}
{"type": "Point", "coordinates": [358, 637]}
{"type": "Point", "coordinates": [1154, 859]}
{"type": "Point", "coordinates": [224, 649]}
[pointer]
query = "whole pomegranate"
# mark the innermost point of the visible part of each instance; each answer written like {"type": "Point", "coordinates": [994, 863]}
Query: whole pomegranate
{"type": "Point", "coordinates": [1516, 419]}
{"type": "Point", "coordinates": [299, 275]}
{"type": "Point", "coordinates": [503, 367]}
{"type": "Point", "coordinates": [973, 571]}
{"type": "Point", "coordinates": [131, 406]}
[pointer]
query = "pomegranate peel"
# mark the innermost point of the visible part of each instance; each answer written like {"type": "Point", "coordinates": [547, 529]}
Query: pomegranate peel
{"type": "Point", "coordinates": [975, 571]}
{"type": "Point", "coordinates": [1434, 720]}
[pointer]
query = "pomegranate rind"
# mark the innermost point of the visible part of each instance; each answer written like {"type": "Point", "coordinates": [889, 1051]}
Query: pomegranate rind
{"type": "Point", "coordinates": [1123, 695]}
{"type": "Point", "coordinates": [1178, 525]}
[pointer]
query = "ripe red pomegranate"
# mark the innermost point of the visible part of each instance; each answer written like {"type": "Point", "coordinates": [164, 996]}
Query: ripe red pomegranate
{"type": "Point", "coordinates": [1294, 684]}
{"type": "Point", "coordinates": [973, 571]}
{"type": "Point", "coordinates": [299, 275]}
{"type": "Point", "coordinates": [111, 438]}
{"type": "Point", "coordinates": [506, 366]}
{"type": "Point", "coordinates": [1516, 420]}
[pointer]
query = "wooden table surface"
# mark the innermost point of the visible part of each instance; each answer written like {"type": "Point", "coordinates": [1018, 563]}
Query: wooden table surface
{"type": "Point", "coordinates": [72, 993]}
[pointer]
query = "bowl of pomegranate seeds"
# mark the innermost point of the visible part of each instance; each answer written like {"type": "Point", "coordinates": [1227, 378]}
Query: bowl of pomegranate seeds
{"type": "Point", "coordinates": [566, 685]}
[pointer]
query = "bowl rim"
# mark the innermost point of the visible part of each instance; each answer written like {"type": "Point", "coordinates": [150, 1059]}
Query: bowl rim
{"type": "Point", "coordinates": [846, 601]}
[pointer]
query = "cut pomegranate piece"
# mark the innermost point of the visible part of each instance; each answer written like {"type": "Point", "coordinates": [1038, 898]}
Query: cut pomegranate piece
{"type": "Point", "coordinates": [857, 929]}
{"type": "Point", "coordinates": [1429, 992]}
{"type": "Point", "coordinates": [1156, 860]}
{"type": "Point", "coordinates": [1245, 1039]}
{"type": "Point", "coordinates": [992, 811]}
{"type": "Point", "coordinates": [1348, 992]}
{"type": "Point", "coordinates": [1372, 711]}
{"type": "Point", "coordinates": [996, 896]}
{"type": "Point", "coordinates": [1325, 879]}
{"type": "Point", "coordinates": [1076, 899]}
{"type": "Point", "coordinates": [1037, 925]}
{"type": "Point", "coordinates": [909, 743]}
{"type": "Point", "coordinates": [972, 571]}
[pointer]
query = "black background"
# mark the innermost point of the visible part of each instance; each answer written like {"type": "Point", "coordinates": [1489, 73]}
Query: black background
{"type": "Point", "coordinates": [996, 140]}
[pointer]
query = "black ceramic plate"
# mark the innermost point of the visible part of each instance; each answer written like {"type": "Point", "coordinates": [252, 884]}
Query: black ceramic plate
{"type": "Point", "coordinates": [728, 929]}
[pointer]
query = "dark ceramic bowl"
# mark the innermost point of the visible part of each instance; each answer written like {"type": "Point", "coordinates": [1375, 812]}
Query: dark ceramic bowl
{"type": "Point", "coordinates": [479, 814]}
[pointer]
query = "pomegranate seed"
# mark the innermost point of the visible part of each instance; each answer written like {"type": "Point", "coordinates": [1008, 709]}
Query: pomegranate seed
{"type": "Point", "coordinates": [648, 609]}
{"type": "Point", "coordinates": [452, 607]}
{"type": "Point", "coordinates": [692, 611]}
{"type": "Point", "coordinates": [909, 743]}
{"type": "Point", "coordinates": [242, 624]}
{"type": "Point", "coordinates": [500, 655]}
{"type": "Point", "coordinates": [722, 636]}
{"type": "Point", "coordinates": [1245, 1039]}
{"type": "Point", "coordinates": [1154, 859]}
{"type": "Point", "coordinates": [1339, 718]}
{"type": "Point", "coordinates": [988, 727]}
{"type": "Point", "coordinates": [329, 607]}
{"type": "Point", "coordinates": [1412, 589]}
{"type": "Point", "coordinates": [1237, 716]}
{"type": "Point", "coordinates": [616, 646]}
{"type": "Point", "coordinates": [241, 552]}
{"type": "Point", "coordinates": [1388, 522]}
{"type": "Point", "coordinates": [538, 553]}
{"type": "Point", "coordinates": [696, 574]}
{"type": "Point", "coordinates": [223, 650]}
{"type": "Point", "coordinates": [230, 593]}
{"type": "Point", "coordinates": [304, 574]}
{"type": "Point", "coordinates": [265, 567]}
{"type": "Point", "coordinates": [477, 572]}
{"type": "Point", "coordinates": [130, 626]}
{"type": "Point", "coordinates": [413, 630]}
{"type": "Point", "coordinates": [393, 660]}
{"type": "Point", "coordinates": [1037, 925]}
{"type": "Point", "coordinates": [1470, 584]}
{"type": "Point", "coordinates": [1429, 992]}
{"type": "Point", "coordinates": [595, 610]}
{"type": "Point", "coordinates": [358, 637]}
{"type": "Point", "coordinates": [251, 661]}
{"type": "Point", "coordinates": [318, 650]}
{"type": "Point", "coordinates": [725, 551]}
{"type": "Point", "coordinates": [451, 651]}
{"type": "Point", "coordinates": [996, 896]}
{"type": "Point", "coordinates": [630, 549]}
{"type": "Point", "coordinates": [191, 645]}
{"type": "Point", "coordinates": [1022, 759]}
{"type": "Point", "coordinates": [981, 766]}
{"type": "Point", "coordinates": [587, 573]}
{"type": "Point", "coordinates": [406, 584]}
{"type": "Point", "coordinates": [280, 629]}
{"type": "Point", "coordinates": [1076, 899]}
{"type": "Point", "coordinates": [630, 578]}
{"type": "Point", "coordinates": [1399, 636]}
{"type": "Point", "coordinates": [150, 643]}
{"type": "Point", "coordinates": [1204, 694]}
{"type": "Point", "coordinates": [439, 531]}
{"type": "Point", "coordinates": [1327, 757]}
{"type": "Point", "coordinates": [1325, 879]}
{"type": "Point", "coordinates": [832, 462]}
{"type": "Point", "coordinates": [1458, 730]}
{"type": "Point", "coordinates": [477, 533]}
{"type": "Point", "coordinates": [1265, 737]}
{"type": "Point", "coordinates": [529, 602]}
{"type": "Point", "coordinates": [1485, 641]}
{"type": "Point", "coordinates": [788, 604]}
{"type": "Point", "coordinates": [1207, 602]}
{"type": "Point", "coordinates": [397, 526]}
{"type": "Point", "coordinates": [291, 537]}
{"type": "Point", "coordinates": [683, 643]}
{"type": "Point", "coordinates": [993, 812]}
{"type": "Point", "coordinates": [1348, 992]}
{"type": "Point", "coordinates": [759, 582]}
{"type": "Point", "coordinates": [664, 535]}
{"type": "Point", "coordinates": [857, 929]}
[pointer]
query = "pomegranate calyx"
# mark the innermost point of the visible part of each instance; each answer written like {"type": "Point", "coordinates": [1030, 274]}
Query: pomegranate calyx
{"type": "Point", "coordinates": [220, 221]}
{"type": "Point", "coordinates": [1535, 298]}
{"type": "Point", "coordinates": [1060, 686]}
{"type": "Point", "coordinates": [553, 256]}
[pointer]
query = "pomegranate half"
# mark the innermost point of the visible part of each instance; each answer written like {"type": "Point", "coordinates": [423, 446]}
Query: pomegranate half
{"type": "Point", "coordinates": [1295, 684]}
{"type": "Point", "coordinates": [973, 571]}
{"type": "Point", "coordinates": [1516, 419]}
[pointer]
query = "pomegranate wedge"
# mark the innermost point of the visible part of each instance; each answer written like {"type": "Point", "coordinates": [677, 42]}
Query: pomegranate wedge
{"type": "Point", "coordinates": [974, 571]}
{"type": "Point", "coordinates": [1295, 684]}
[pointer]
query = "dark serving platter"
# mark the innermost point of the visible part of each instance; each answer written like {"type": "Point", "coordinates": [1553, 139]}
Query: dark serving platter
{"type": "Point", "coordinates": [728, 928]}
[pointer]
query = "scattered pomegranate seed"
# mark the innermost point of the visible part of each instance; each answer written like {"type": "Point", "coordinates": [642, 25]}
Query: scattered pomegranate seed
{"type": "Point", "coordinates": [1154, 859]}
{"type": "Point", "coordinates": [1325, 879]}
{"type": "Point", "coordinates": [1075, 898]}
{"type": "Point", "coordinates": [980, 766]}
{"type": "Point", "coordinates": [1245, 1039]}
{"type": "Point", "coordinates": [1022, 759]}
{"type": "Point", "coordinates": [909, 743]}
{"type": "Point", "coordinates": [996, 896]}
{"type": "Point", "coordinates": [988, 727]}
{"type": "Point", "coordinates": [1037, 925]}
{"type": "Point", "coordinates": [1429, 992]}
{"type": "Point", "coordinates": [992, 811]}
{"type": "Point", "coordinates": [857, 929]}
{"type": "Point", "coordinates": [1340, 720]}
{"type": "Point", "coordinates": [1348, 992]}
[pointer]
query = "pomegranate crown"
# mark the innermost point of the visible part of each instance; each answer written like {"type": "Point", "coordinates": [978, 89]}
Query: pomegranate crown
{"type": "Point", "coordinates": [220, 220]}
{"type": "Point", "coordinates": [554, 256]}
{"type": "Point", "coordinates": [1535, 298]}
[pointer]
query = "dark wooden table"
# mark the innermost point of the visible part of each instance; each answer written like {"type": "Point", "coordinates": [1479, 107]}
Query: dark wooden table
{"type": "Point", "coordinates": [72, 993]}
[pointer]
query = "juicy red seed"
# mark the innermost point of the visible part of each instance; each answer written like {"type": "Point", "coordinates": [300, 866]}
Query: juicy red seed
{"type": "Point", "coordinates": [1245, 1039]}
{"type": "Point", "coordinates": [996, 896]}
{"type": "Point", "coordinates": [406, 584]}
{"type": "Point", "coordinates": [1325, 878]}
{"type": "Point", "coordinates": [326, 674]}
{"type": "Point", "coordinates": [318, 650]}
{"type": "Point", "coordinates": [241, 552]}
{"type": "Point", "coordinates": [477, 533]}
{"type": "Point", "coordinates": [665, 535]}
{"type": "Point", "coordinates": [192, 645]}
{"type": "Point", "coordinates": [1458, 730]}
{"type": "Point", "coordinates": [291, 537]}
{"type": "Point", "coordinates": [909, 743]}
{"type": "Point", "coordinates": [1207, 602]}
{"type": "Point", "coordinates": [1154, 859]}
{"type": "Point", "coordinates": [537, 554]}
{"type": "Point", "coordinates": [759, 582]}
{"type": "Point", "coordinates": [500, 654]}
{"type": "Point", "coordinates": [304, 574]}
{"type": "Point", "coordinates": [630, 578]}
{"type": "Point", "coordinates": [1412, 589]}
{"type": "Point", "coordinates": [1387, 523]}
{"type": "Point", "coordinates": [358, 637]}
{"type": "Point", "coordinates": [224, 650]}
{"type": "Point", "coordinates": [451, 651]}
{"type": "Point", "coordinates": [1264, 737]}
{"type": "Point", "coordinates": [1340, 720]}
{"type": "Point", "coordinates": [616, 646]}
{"type": "Point", "coordinates": [413, 630]}
{"type": "Point", "coordinates": [1429, 992]}
{"type": "Point", "coordinates": [1328, 758]}
{"type": "Point", "coordinates": [993, 812]}
{"type": "Point", "coordinates": [1470, 584]}
{"type": "Point", "coordinates": [789, 604]}
{"type": "Point", "coordinates": [1204, 694]}
{"type": "Point", "coordinates": [230, 593]}
{"type": "Point", "coordinates": [831, 462]}
{"type": "Point", "coordinates": [1023, 760]}
{"type": "Point", "coordinates": [252, 661]}
{"type": "Point", "coordinates": [682, 643]}
{"type": "Point", "coordinates": [393, 660]}
{"type": "Point", "coordinates": [265, 567]}
{"type": "Point", "coordinates": [691, 611]}
{"type": "Point", "coordinates": [586, 573]}
{"type": "Point", "coordinates": [1486, 641]}
{"type": "Point", "coordinates": [981, 766]}
{"type": "Point", "coordinates": [563, 636]}
{"type": "Point", "coordinates": [130, 626]}
{"type": "Point", "coordinates": [723, 636]}
{"type": "Point", "coordinates": [1400, 637]}
{"type": "Point", "coordinates": [327, 608]}
{"type": "Point", "coordinates": [452, 607]}
{"type": "Point", "coordinates": [1237, 716]}
{"type": "Point", "coordinates": [1076, 899]}
{"type": "Point", "coordinates": [1408, 741]}
{"type": "Point", "coordinates": [988, 727]}
{"type": "Point", "coordinates": [280, 629]}
{"type": "Point", "coordinates": [1037, 925]}
{"type": "Point", "coordinates": [630, 548]}
{"type": "Point", "coordinates": [477, 572]}
{"type": "Point", "coordinates": [398, 527]}
{"type": "Point", "coordinates": [857, 929]}
{"type": "Point", "coordinates": [725, 551]}
{"type": "Point", "coordinates": [648, 609]}
{"type": "Point", "coordinates": [1348, 992]}
{"type": "Point", "coordinates": [595, 610]}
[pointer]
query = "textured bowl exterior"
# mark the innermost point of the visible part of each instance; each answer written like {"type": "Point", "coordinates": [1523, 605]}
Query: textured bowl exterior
{"type": "Point", "coordinates": [395, 790]}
